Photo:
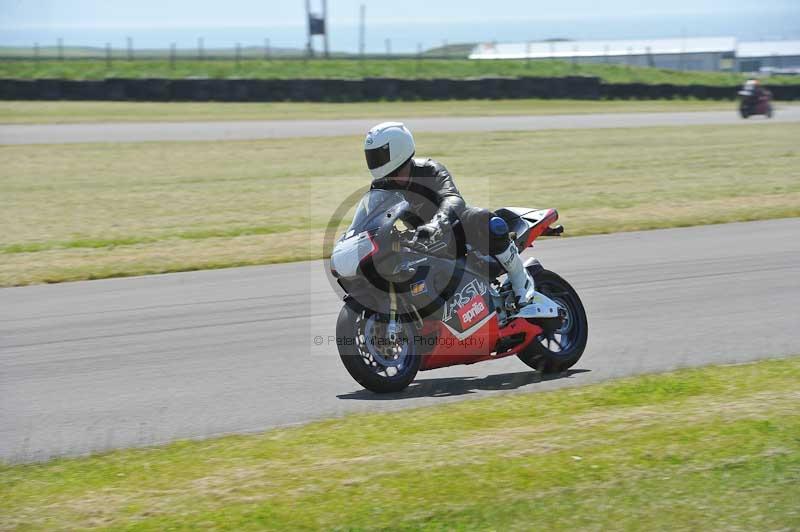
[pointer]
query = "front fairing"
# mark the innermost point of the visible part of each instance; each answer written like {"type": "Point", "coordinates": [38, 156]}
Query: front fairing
{"type": "Point", "coordinates": [375, 216]}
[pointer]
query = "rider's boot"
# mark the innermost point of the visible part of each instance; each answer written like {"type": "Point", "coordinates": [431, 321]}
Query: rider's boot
{"type": "Point", "coordinates": [521, 280]}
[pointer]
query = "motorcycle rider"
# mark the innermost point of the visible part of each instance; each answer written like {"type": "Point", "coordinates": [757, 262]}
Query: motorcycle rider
{"type": "Point", "coordinates": [754, 91]}
{"type": "Point", "coordinates": [389, 148]}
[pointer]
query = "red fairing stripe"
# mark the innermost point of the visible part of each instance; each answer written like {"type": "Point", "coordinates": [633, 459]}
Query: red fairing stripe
{"type": "Point", "coordinates": [519, 325]}
{"type": "Point", "coordinates": [374, 248]}
{"type": "Point", "coordinates": [449, 351]}
{"type": "Point", "coordinates": [479, 346]}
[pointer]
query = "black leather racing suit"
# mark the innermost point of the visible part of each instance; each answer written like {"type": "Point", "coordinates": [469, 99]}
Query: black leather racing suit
{"type": "Point", "coordinates": [431, 191]}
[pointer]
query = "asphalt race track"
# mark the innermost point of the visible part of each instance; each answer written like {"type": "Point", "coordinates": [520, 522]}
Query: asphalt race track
{"type": "Point", "coordinates": [248, 130]}
{"type": "Point", "coordinates": [96, 365]}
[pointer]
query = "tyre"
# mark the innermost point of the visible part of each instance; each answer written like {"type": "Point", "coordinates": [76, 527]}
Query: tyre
{"type": "Point", "coordinates": [743, 112]}
{"type": "Point", "coordinates": [558, 350]}
{"type": "Point", "coordinates": [769, 111]}
{"type": "Point", "coordinates": [377, 362]}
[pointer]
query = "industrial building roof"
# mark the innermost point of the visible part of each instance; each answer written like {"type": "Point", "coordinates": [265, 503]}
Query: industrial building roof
{"type": "Point", "coordinates": [768, 48]}
{"type": "Point", "coordinates": [556, 49]}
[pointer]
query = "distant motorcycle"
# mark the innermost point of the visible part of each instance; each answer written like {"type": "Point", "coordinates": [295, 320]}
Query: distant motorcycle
{"type": "Point", "coordinates": [412, 306]}
{"type": "Point", "coordinates": [752, 104]}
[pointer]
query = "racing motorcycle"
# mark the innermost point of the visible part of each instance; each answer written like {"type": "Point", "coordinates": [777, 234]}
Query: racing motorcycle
{"type": "Point", "coordinates": [751, 105]}
{"type": "Point", "coordinates": [412, 305]}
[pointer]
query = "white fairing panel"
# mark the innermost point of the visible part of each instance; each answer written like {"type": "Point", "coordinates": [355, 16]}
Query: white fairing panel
{"type": "Point", "coordinates": [348, 254]}
{"type": "Point", "coordinates": [541, 307]}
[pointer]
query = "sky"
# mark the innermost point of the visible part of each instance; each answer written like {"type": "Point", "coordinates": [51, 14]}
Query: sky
{"type": "Point", "coordinates": [156, 23]}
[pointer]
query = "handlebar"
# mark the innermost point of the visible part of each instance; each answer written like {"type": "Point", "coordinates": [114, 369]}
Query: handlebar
{"type": "Point", "coordinates": [428, 247]}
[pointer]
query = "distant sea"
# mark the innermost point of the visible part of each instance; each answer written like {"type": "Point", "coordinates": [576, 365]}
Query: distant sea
{"type": "Point", "coordinates": [408, 36]}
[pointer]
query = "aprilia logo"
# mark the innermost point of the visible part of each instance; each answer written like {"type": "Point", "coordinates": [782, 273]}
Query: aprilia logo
{"type": "Point", "coordinates": [463, 299]}
{"type": "Point", "coordinates": [472, 311]}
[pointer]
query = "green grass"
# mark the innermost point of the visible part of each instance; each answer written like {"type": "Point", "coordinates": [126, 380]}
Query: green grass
{"type": "Point", "coordinates": [26, 112]}
{"type": "Point", "coordinates": [160, 54]}
{"type": "Point", "coordinates": [92, 211]}
{"type": "Point", "coordinates": [716, 448]}
{"type": "Point", "coordinates": [350, 69]}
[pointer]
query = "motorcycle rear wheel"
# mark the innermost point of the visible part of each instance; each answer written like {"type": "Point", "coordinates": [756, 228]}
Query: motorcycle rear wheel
{"type": "Point", "coordinates": [375, 362]}
{"type": "Point", "coordinates": [559, 350]}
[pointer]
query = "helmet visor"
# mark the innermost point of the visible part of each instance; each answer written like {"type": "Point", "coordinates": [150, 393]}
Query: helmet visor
{"type": "Point", "coordinates": [377, 157]}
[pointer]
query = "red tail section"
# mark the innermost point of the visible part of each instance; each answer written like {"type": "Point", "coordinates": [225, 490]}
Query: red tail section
{"type": "Point", "coordinates": [541, 226]}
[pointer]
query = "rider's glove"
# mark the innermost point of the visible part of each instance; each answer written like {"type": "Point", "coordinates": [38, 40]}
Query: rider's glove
{"type": "Point", "coordinates": [427, 231]}
{"type": "Point", "coordinates": [431, 230]}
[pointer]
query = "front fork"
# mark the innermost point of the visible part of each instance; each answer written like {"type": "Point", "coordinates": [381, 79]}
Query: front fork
{"type": "Point", "coordinates": [393, 327]}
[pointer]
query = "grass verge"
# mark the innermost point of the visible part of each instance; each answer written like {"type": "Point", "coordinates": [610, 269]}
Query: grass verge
{"type": "Point", "coordinates": [23, 112]}
{"type": "Point", "coordinates": [91, 211]}
{"type": "Point", "coordinates": [700, 449]}
{"type": "Point", "coordinates": [350, 69]}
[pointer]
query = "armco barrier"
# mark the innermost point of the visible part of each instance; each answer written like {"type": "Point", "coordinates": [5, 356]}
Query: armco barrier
{"type": "Point", "coordinates": [358, 90]}
{"type": "Point", "coordinates": [785, 92]}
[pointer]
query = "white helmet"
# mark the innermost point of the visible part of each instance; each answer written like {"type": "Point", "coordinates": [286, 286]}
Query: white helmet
{"type": "Point", "coordinates": [388, 146]}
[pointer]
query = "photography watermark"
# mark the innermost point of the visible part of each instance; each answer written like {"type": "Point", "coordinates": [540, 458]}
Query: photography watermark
{"type": "Point", "coordinates": [475, 341]}
{"type": "Point", "coordinates": [378, 209]}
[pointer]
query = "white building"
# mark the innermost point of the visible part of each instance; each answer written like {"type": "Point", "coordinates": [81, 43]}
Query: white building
{"type": "Point", "coordinates": [753, 56]}
{"type": "Point", "coordinates": [715, 53]}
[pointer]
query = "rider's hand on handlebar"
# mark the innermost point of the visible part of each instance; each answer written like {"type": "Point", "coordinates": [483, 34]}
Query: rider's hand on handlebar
{"type": "Point", "coordinates": [427, 232]}
{"type": "Point", "coordinates": [431, 230]}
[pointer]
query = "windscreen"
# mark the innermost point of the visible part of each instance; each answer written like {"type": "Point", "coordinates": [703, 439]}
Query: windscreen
{"type": "Point", "coordinates": [375, 203]}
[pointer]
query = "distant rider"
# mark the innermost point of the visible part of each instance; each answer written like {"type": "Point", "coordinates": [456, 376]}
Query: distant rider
{"type": "Point", "coordinates": [390, 150]}
{"type": "Point", "coordinates": [754, 91]}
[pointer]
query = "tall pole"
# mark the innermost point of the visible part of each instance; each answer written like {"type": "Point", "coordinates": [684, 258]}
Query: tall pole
{"type": "Point", "coordinates": [325, 21]}
{"type": "Point", "coordinates": [361, 30]}
{"type": "Point", "coordinates": [528, 54]}
{"type": "Point", "coordinates": [683, 48]}
{"type": "Point", "coordinates": [309, 49]}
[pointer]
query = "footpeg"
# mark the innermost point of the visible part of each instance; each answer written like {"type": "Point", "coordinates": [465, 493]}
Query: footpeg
{"type": "Point", "coordinates": [510, 304]}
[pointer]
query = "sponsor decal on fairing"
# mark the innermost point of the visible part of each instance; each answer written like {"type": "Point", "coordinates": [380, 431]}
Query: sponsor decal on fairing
{"type": "Point", "coordinates": [462, 297]}
{"type": "Point", "coordinates": [419, 288]}
{"type": "Point", "coordinates": [472, 312]}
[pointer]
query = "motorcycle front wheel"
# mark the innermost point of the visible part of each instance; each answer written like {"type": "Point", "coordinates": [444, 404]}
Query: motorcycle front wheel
{"type": "Point", "coordinates": [560, 349]}
{"type": "Point", "coordinates": [743, 111]}
{"type": "Point", "coordinates": [378, 362]}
